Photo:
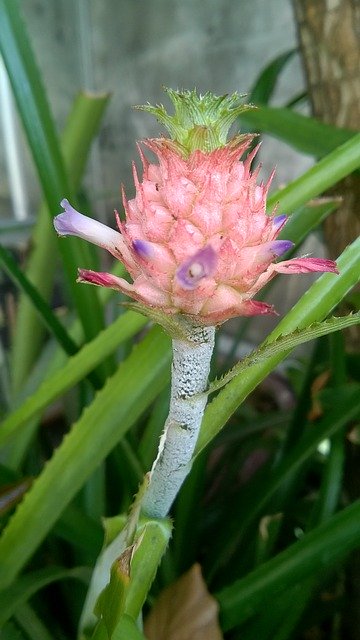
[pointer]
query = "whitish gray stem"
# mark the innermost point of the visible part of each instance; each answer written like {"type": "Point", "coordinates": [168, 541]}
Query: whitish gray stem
{"type": "Point", "coordinates": [190, 372]}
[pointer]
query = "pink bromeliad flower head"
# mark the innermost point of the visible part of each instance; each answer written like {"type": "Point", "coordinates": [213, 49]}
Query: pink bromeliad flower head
{"type": "Point", "coordinates": [196, 239]}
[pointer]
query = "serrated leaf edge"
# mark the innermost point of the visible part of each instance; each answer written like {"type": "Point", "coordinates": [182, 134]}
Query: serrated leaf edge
{"type": "Point", "coordinates": [285, 342]}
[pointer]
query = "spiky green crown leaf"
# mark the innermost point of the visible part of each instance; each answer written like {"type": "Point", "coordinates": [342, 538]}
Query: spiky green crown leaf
{"type": "Point", "coordinates": [199, 122]}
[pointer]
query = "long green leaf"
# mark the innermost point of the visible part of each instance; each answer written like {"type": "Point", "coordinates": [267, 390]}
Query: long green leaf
{"type": "Point", "coordinates": [279, 622]}
{"type": "Point", "coordinates": [284, 343]}
{"type": "Point", "coordinates": [303, 220]}
{"type": "Point", "coordinates": [80, 129]}
{"type": "Point", "coordinates": [314, 305]}
{"type": "Point", "coordinates": [326, 545]}
{"type": "Point", "coordinates": [29, 584]}
{"type": "Point", "coordinates": [264, 86]}
{"type": "Point", "coordinates": [31, 100]}
{"type": "Point", "coordinates": [40, 131]}
{"type": "Point", "coordinates": [302, 132]}
{"type": "Point", "coordinates": [346, 409]}
{"type": "Point", "coordinates": [327, 172]}
{"type": "Point", "coordinates": [11, 632]}
{"type": "Point", "coordinates": [30, 622]}
{"type": "Point", "coordinates": [75, 369]}
{"type": "Point", "coordinates": [44, 311]}
{"type": "Point", "coordinates": [102, 425]}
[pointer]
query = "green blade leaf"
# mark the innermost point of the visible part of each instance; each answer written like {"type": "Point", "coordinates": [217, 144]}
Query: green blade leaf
{"type": "Point", "coordinates": [302, 221]}
{"type": "Point", "coordinates": [30, 622]}
{"type": "Point", "coordinates": [346, 409]}
{"type": "Point", "coordinates": [11, 632]}
{"type": "Point", "coordinates": [326, 545]}
{"type": "Point", "coordinates": [31, 100]}
{"type": "Point", "coordinates": [102, 425]}
{"type": "Point", "coordinates": [44, 312]}
{"type": "Point", "coordinates": [283, 343]}
{"type": "Point", "coordinates": [126, 630]}
{"type": "Point", "coordinates": [80, 129]}
{"type": "Point", "coordinates": [302, 132]}
{"type": "Point", "coordinates": [41, 135]}
{"type": "Point", "coordinates": [29, 584]}
{"type": "Point", "coordinates": [327, 172]}
{"type": "Point", "coordinates": [75, 369]}
{"type": "Point", "coordinates": [264, 86]}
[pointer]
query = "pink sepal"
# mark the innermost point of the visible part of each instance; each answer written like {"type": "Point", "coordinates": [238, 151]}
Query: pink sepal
{"type": "Point", "coordinates": [305, 265]}
{"type": "Point", "coordinates": [102, 279]}
{"type": "Point", "coordinates": [246, 309]}
{"type": "Point", "coordinates": [226, 303]}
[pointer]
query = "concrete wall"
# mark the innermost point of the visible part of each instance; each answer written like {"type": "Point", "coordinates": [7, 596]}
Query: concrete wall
{"type": "Point", "coordinates": [133, 47]}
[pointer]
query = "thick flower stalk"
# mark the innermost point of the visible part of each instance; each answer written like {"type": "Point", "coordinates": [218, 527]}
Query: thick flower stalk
{"type": "Point", "coordinates": [198, 245]}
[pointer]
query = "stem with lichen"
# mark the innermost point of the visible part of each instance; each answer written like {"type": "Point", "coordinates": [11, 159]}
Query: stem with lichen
{"type": "Point", "coordinates": [190, 372]}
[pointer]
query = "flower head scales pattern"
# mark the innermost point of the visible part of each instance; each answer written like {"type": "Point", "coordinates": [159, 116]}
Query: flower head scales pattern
{"type": "Point", "coordinates": [197, 239]}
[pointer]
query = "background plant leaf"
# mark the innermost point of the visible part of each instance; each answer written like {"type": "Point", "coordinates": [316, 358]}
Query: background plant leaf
{"type": "Point", "coordinates": [264, 86]}
{"type": "Point", "coordinates": [304, 133]}
{"type": "Point", "coordinates": [80, 129]}
{"type": "Point", "coordinates": [42, 138]}
{"type": "Point", "coordinates": [75, 369]}
{"type": "Point", "coordinates": [102, 425]}
{"type": "Point", "coordinates": [283, 343]}
{"type": "Point", "coordinates": [331, 541]}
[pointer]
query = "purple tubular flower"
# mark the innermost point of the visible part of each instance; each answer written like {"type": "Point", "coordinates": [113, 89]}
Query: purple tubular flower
{"type": "Point", "coordinates": [73, 223]}
{"type": "Point", "coordinates": [201, 265]}
{"type": "Point", "coordinates": [278, 247]}
{"type": "Point", "coordinates": [279, 221]}
{"type": "Point", "coordinates": [270, 250]}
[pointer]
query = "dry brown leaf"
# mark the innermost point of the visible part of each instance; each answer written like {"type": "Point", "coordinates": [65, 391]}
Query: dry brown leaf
{"type": "Point", "coordinates": [185, 611]}
{"type": "Point", "coordinates": [318, 385]}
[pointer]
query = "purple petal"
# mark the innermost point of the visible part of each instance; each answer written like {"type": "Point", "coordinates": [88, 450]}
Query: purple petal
{"type": "Point", "coordinates": [278, 247]}
{"type": "Point", "coordinates": [279, 221]}
{"type": "Point", "coordinates": [161, 259]}
{"type": "Point", "coordinates": [143, 249]}
{"type": "Point", "coordinates": [201, 265]}
{"type": "Point", "coordinates": [73, 223]}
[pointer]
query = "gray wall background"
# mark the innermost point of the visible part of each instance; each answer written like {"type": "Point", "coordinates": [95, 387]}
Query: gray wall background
{"type": "Point", "coordinates": [133, 47]}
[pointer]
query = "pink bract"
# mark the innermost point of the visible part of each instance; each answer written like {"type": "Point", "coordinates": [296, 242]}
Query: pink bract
{"type": "Point", "coordinates": [197, 239]}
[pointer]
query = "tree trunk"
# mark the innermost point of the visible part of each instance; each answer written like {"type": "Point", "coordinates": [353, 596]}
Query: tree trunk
{"type": "Point", "coordinates": [329, 36]}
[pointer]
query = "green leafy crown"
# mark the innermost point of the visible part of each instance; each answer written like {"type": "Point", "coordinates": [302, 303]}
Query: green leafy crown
{"type": "Point", "coordinates": [199, 121]}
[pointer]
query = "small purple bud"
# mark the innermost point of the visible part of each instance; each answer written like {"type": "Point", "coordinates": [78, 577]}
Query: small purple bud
{"type": "Point", "coordinates": [278, 247]}
{"type": "Point", "coordinates": [198, 266]}
{"type": "Point", "coordinates": [279, 221]}
{"type": "Point", "coordinates": [143, 249]}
